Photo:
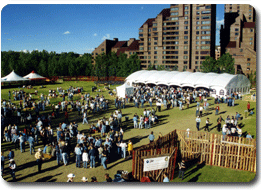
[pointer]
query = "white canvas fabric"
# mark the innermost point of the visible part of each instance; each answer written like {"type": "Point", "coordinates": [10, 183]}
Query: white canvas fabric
{"type": "Point", "coordinates": [124, 90]}
{"type": "Point", "coordinates": [12, 77]}
{"type": "Point", "coordinates": [33, 76]}
{"type": "Point", "coordinates": [220, 84]}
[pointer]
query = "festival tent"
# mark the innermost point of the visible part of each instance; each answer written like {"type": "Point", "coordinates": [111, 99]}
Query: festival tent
{"type": "Point", "coordinates": [124, 90]}
{"type": "Point", "coordinates": [218, 84]}
{"type": "Point", "coordinates": [13, 77]}
{"type": "Point", "coordinates": [34, 76]}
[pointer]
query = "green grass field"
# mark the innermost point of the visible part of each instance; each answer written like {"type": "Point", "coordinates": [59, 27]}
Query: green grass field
{"type": "Point", "coordinates": [169, 120]}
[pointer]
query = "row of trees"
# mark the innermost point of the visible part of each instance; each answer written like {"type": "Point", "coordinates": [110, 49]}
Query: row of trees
{"type": "Point", "coordinates": [50, 64]}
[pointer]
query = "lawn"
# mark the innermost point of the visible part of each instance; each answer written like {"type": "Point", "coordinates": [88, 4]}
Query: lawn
{"type": "Point", "coordinates": [169, 120]}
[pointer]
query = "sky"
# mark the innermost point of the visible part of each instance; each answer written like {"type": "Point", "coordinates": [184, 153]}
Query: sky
{"type": "Point", "coordinates": [75, 28]}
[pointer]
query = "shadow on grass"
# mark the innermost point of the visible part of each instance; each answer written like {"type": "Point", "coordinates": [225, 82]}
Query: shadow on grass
{"type": "Point", "coordinates": [195, 179]}
{"type": "Point", "coordinates": [47, 178]}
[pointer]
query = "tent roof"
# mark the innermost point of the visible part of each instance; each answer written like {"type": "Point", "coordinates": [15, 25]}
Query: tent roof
{"type": "Point", "coordinates": [12, 77]}
{"type": "Point", "coordinates": [197, 79]}
{"type": "Point", "coordinates": [33, 76]}
{"type": "Point", "coordinates": [125, 85]}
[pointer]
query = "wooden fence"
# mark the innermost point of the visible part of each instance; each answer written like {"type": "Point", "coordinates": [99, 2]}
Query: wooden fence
{"type": "Point", "coordinates": [86, 78]}
{"type": "Point", "coordinates": [213, 149]}
{"type": "Point", "coordinates": [165, 146]}
{"type": "Point", "coordinates": [229, 152]}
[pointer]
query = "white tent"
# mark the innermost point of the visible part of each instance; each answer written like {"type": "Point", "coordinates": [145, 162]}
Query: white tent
{"type": "Point", "coordinates": [124, 90]}
{"type": "Point", "coordinates": [34, 76]}
{"type": "Point", "coordinates": [12, 77]}
{"type": "Point", "coordinates": [219, 84]}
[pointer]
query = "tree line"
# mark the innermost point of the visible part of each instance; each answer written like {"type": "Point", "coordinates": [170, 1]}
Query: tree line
{"type": "Point", "coordinates": [50, 64]}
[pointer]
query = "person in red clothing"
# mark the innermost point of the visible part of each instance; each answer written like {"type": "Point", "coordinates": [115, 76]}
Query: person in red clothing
{"type": "Point", "coordinates": [248, 106]}
{"type": "Point", "coordinates": [66, 116]}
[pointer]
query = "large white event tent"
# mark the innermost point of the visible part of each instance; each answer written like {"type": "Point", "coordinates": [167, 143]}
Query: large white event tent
{"type": "Point", "coordinates": [13, 77]}
{"type": "Point", "coordinates": [124, 90]}
{"type": "Point", "coordinates": [218, 84]}
{"type": "Point", "coordinates": [34, 76]}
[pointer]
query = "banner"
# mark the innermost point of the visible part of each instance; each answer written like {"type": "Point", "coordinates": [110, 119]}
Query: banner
{"type": "Point", "coordinates": [158, 163]}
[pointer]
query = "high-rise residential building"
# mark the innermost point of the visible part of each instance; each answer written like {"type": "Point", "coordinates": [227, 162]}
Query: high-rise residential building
{"type": "Point", "coordinates": [238, 36]}
{"type": "Point", "coordinates": [180, 37]}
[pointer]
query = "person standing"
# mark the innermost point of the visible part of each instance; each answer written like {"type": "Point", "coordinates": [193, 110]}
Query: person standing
{"type": "Point", "coordinates": [31, 143]}
{"type": "Point", "coordinates": [200, 110]}
{"type": "Point", "coordinates": [217, 109]}
{"type": "Point", "coordinates": [248, 106]}
{"type": "Point", "coordinates": [22, 143]}
{"type": "Point", "coordinates": [130, 147]}
{"type": "Point", "coordinates": [85, 118]}
{"type": "Point", "coordinates": [85, 159]}
{"type": "Point", "coordinates": [92, 157]}
{"type": "Point", "coordinates": [78, 154]}
{"type": "Point", "coordinates": [39, 159]}
{"type": "Point", "coordinates": [151, 137]}
{"type": "Point", "coordinates": [182, 168]}
{"type": "Point", "coordinates": [66, 116]}
{"type": "Point", "coordinates": [104, 157]}
{"type": "Point", "coordinates": [198, 120]}
{"type": "Point", "coordinates": [219, 120]}
{"type": "Point", "coordinates": [12, 167]}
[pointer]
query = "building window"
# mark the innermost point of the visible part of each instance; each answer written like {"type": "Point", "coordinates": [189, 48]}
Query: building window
{"type": "Point", "coordinates": [235, 38]}
{"type": "Point", "coordinates": [185, 37]}
{"type": "Point", "coordinates": [141, 44]}
{"type": "Point", "coordinates": [156, 38]}
{"type": "Point", "coordinates": [236, 29]}
{"type": "Point", "coordinates": [185, 57]}
{"type": "Point", "coordinates": [236, 34]}
{"type": "Point", "coordinates": [175, 18]}
{"type": "Point", "coordinates": [154, 29]}
{"type": "Point", "coordinates": [196, 67]}
{"type": "Point", "coordinates": [196, 57]}
{"type": "Point", "coordinates": [197, 47]}
{"type": "Point", "coordinates": [208, 7]}
{"type": "Point", "coordinates": [186, 7]}
{"type": "Point", "coordinates": [155, 57]}
{"type": "Point", "coordinates": [185, 68]}
{"type": "Point", "coordinates": [205, 12]}
{"type": "Point", "coordinates": [102, 49]}
{"type": "Point", "coordinates": [176, 13]}
{"type": "Point", "coordinates": [185, 62]}
{"type": "Point", "coordinates": [197, 32]}
{"type": "Point", "coordinates": [154, 24]}
{"type": "Point", "coordinates": [155, 61]}
{"type": "Point", "coordinates": [185, 52]}
{"type": "Point", "coordinates": [186, 22]}
{"type": "Point", "coordinates": [186, 27]}
{"type": "Point", "coordinates": [141, 35]}
{"type": "Point", "coordinates": [155, 43]}
{"type": "Point", "coordinates": [248, 59]}
{"type": "Point", "coordinates": [149, 29]}
{"type": "Point", "coordinates": [251, 30]}
{"type": "Point", "coordinates": [149, 52]}
{"type": "Point", "coordinates": [175, 9]}
{"type": "Point", "coordinates": [141, 30]}
{"type": "Point", "coordinates": [185, 42]}
{"type": "Point", "coordinates": [251, 43]}
{"type": "Point", "coordinates": [205, 22]}
{"type": "Point", "coordinates": [185, 32]}
{"type": "Point", "coordinates": [186, 12]}
{"type": "Point", "coordinates": [205, 37]}
{"type": "Point", "coordinates": [197, 18]}
{"type": "Point", "coordinates": [197, 22]}
{"type": "Point", "coordinates": [149, 48]}
{"type": "Point", "coordinates": [185, 47]}
{"type": "Point", "coordinates": [198, 13]}
{"type": "Point", "coordinates": [141, 48]}
{"type": "Point", "coordinates": [241, 50]}
{"type": "Point", "coordinates": [186, 18]}
{"type": "Point", "coordinates": [197, 37]}
{"type": "Point", "coordinates": [155, 52]}
{"type": "Point", "coordinates": [196, 62]}
{"type": "Point", "coordinates": [248, 64]}
{"type": "Point", "coordinates": [205, 27]}
{"type": "Point", "coordinates": [197, 8]}
{"type": "Point", "coordinates": [155, 47]}
{"type": "Point", "coordinates": [251, 38]}
{"type": "Point", "coordinates": [197, 42]}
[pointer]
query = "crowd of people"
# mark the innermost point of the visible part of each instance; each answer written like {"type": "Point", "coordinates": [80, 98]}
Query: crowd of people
{"type": "Point", "coordinates": [98, 145]}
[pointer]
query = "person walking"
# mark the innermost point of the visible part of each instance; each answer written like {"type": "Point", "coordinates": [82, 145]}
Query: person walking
{"type": "Point", "coordinates": [248, 106]}
{"type": "Point", "coordinates": [39, 159]}
{"type": "Point", "coordinates": [198, 120]}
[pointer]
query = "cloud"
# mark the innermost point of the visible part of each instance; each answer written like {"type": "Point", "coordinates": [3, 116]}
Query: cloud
{"type": "Point", "coordinates": [95, 34]}
{"type": "Point", "coordinates": [67, 32]}
{"type": "Point", "coordinates": [219, 23]}
{"type": "Point", "coordinates": [106, 37]}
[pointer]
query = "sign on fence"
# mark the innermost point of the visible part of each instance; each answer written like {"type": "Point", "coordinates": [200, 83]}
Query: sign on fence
{"type": "Point", "coordinates": [158, 163]}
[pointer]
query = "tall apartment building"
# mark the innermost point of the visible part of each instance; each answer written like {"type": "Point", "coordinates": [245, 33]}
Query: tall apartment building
{"type": "Point", "coordinates": [238, 36]}
{"type": "Point", "coordinates": [180, 37]}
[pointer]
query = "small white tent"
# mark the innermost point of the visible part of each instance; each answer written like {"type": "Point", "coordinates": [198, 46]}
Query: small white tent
{"type": "Point", "coordinates": [12, 77]}
{"type": "Point", "coordinates": [124, 90]}
{"type": "Point", "coordinates": [34, 76]}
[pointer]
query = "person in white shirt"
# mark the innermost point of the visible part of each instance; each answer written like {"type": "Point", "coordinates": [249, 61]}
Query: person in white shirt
{"type": "Point", "coordinates": [123, 146]}
{"type": "Point", "coordinates": [239, 131]}
{"type": "Point", "coordinates": [198, 120]}
{"type": "Point", "coordinates": [141, 122]}
{"type": "Point", "coordinates": [85, 159]}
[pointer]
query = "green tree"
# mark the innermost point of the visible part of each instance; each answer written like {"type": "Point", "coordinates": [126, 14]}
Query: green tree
{"type": "Point", "coordinates": [151, 67]}
{"type": "Point", "coordinates": [208, 65]}
{"type": "Point", "coordinates": [225, 64]}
